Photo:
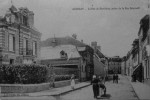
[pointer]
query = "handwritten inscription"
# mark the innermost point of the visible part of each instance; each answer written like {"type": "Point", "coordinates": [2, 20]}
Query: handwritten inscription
{"type": "Point", "coordinates": [107, 8]}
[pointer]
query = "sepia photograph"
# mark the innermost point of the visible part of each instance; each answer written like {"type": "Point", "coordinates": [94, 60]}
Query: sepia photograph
{"type": "Point", "coordinates": [74, 49]}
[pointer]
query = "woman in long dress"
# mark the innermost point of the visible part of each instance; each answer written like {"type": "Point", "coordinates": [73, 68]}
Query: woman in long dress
{"type": "Point", "coordinates": [101, 85]}
{"type": "Point", "coordinates": [94, 82]}
{"type": "Point", "coordinates": [72, 81]}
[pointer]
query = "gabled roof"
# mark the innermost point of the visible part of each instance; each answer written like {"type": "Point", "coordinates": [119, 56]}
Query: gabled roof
{"type": "Point", "coordinates": [100, 54]}
{"type": "Point", "coordinates": [62, 41]}
{"type": "Point", "coordinates": [99, 59]}
{"type": "Point", "coordinates": [54, 52]}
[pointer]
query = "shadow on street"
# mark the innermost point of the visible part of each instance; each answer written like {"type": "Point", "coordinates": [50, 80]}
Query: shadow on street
{"type": "Point", "coordinates": [106, 96]}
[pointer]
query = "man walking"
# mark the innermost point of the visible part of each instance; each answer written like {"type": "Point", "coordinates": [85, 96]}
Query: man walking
{"type": "Point", "coordinates": [117, 78]}
{"type": "Point", "coordinates": [113, 78]}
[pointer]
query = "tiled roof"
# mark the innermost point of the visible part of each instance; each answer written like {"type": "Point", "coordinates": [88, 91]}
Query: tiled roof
{"type": "Point", "coordinates": [62, 41]}
{"type": "Point", "coordinates": [54, 52]}
{"type": "Point", "coordinates": [81, 48]}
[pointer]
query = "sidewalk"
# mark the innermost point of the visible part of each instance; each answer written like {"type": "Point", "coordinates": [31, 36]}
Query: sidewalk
{"type": "Point", "coordinates": [51, 92]}
{"type": "Point", "coordinates": [141, 90]}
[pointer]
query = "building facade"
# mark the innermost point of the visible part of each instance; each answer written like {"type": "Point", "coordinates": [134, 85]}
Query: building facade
{"type": "Point", "coordinates": [123, 66]}
{"type": "Point", "coordinates": [100, 61]}
{"type": "Point", "coordinates": [144, 43]}
{"type": "Point", "coordinates": [114, 65]}
{"type": "Point", "coordinates": [135, 59]}
{"type": "Point", "coordinates": [129, 64]}
{"type": "Point", "coordinates": [19, 39]}
{"type": "Point", "coordinates": [64, 59]}
{"type": "Point", "coordinates": [85, 51]}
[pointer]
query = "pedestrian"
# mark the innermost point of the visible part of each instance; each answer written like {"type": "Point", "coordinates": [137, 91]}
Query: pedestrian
{"type": "Point", "coordinates": [113, 78]}
{"type": "Point", "coordinates": [102, 86]}
{"type": "Point", "coordinates": [117, 77]}
{"type": "Point", "coordinates": [100, 82]}
{"type": "Point", "coordinates": [72, 81]}
{"type": "Point", "coordinates": [95, 85]}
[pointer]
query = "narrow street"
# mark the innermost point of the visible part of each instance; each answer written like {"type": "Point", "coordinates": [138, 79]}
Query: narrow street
{"type": "Point", "coordinates": [121, 91]}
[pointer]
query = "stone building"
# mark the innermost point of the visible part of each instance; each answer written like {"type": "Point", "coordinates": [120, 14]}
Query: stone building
{"type": "Point", "coordinates": [135, 59]}
{"type": "Point", "coordinates": [144, 45]}
{"type": "Point", "coordinates": [64, 59]}
{"type": "Point", "coordinates": [123, 65]}
{"type": "Point", "coordinates": [84, 63]}
{"type": "Point", "coordinates": [100, 61]}
{"type": "Point", "coordinates": [114, 65]}
{"type": "Point", "coordinates": [129, 63]}
{"type": "Point", "coordinates": [19, 39]}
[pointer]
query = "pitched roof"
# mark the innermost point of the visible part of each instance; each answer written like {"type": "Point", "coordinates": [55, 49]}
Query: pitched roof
{"type": "Point", "coordinates": [54, 52]}
{"type": "Point", "coordinates": [81, 48]}
{"type": "Point", "coordinates": [62, 41]}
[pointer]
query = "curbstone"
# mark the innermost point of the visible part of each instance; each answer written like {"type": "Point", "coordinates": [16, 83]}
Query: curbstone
{"type": "Point", "coordinates": [133, 88]}
{"type": "Point", "coordinates": [62, 93]}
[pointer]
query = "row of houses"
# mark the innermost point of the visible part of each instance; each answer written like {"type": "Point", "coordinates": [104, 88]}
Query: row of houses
{"type": "Point", "coordinates": [114, 65]}
{"type": "Point", "coordinates": [137, 61]}
{"type": "Point", "coordinates": [20, 43]}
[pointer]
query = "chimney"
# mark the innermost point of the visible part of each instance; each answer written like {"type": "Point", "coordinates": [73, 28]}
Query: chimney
{"type": "Point", "coordinates": [82, 41]}
{"type": "Point", "coordinates": [94, 45]}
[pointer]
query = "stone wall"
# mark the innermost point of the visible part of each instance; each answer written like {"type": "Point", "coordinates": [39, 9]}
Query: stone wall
{"type": "Point", "coordinates": [20, 88]}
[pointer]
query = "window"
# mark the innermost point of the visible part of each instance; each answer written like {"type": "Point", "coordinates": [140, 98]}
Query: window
{"type": "Point", "coordinates": [82, 69]}
{"type": "Point", "coordinates": [25, 20]}
{"type": "Point", "coordinates": [25, 45]}
{"type": "Point", "coordinates": [34, 48]}
{"type": "Point", "coordinates": [11, 61]}
{"type": "Point", "coordinates": [63, 54]}
{"type": "Point", "coordinates": [11, 42]}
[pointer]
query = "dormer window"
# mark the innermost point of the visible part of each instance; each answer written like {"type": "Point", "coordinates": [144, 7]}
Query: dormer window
{"type": "Point", "coordinates": [63, 54]}
{"type": "Point", "coordinates": [25, 20]}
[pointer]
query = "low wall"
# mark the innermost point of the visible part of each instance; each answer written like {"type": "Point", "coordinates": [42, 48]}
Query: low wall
{"type": "Point", "coordinates": [20, 88]}
{"type": "Point", "coordinates": [63, 83]}
{"type": "Point", "coordinates": [28, 88]}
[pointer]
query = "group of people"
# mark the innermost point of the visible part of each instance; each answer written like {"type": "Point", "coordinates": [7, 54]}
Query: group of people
{"type": "Point", "coordinates": [115, 78]}
{"type": "Point", "coordinates": [98, 84]}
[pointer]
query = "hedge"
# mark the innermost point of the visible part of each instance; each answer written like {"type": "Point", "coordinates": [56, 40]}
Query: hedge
{"type": "Point", "coordinates": [23, 74]}
{"type": "Point", "coordinates": [62, 77]}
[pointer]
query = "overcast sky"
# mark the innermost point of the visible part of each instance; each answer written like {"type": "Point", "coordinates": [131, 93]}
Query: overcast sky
{"type": "Point", "coordinates": [114, 30]}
